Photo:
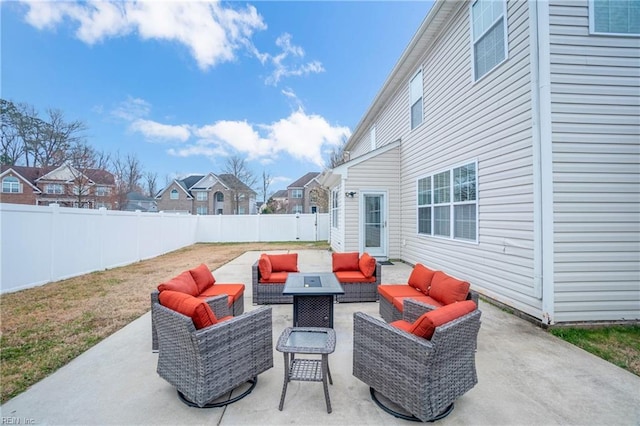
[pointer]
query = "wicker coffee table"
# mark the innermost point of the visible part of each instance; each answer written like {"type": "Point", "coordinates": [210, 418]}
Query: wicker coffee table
{"type": "Point", "coordinates": [307, 340]}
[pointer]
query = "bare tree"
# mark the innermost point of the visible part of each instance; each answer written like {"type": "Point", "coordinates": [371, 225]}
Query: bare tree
{"type": "Point", "coordinates": [266, 183]}
{"type": "Point", "coordinates": [151, 179]}
{"type": "Point", "coordinates": [128, 173]}
{"type": "Point", "coordinates": [84, 162]}
{"type": "Point", "coordinates": [237, 167]}
{"type": "Point", "coordinates": [12, 148]}
{"type": "Point", "coordinates": [338, 155]}
{"type": "Point", "coordinates": [58, 138]}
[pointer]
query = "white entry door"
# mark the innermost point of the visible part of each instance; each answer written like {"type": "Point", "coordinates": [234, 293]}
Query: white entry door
{"type": "Point", "coordinates": [374, 224]}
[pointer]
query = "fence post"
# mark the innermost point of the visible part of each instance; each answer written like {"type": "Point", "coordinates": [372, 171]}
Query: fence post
{"type": "Point", "coordinates": [55, 212]}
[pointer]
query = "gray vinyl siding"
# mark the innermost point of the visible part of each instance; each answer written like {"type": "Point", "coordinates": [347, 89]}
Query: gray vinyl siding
{"type": "Point", "coordinates": [488, 121]}
{"type": "Point", "coordinates": [379, 173]}
{"type": "Point", "coordinates": [595, 94]}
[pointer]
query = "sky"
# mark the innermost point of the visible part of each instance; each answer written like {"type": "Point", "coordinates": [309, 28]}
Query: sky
{"type": "Point", "coordinates": [184, 85]}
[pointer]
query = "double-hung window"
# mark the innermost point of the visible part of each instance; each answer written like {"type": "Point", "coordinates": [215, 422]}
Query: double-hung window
{"type": "Point", "coordinates": [415, 95]}
{"type": "Point", "coordinates": [201, 210]}
{"type": "Point", "coordinates": [201, 196]}
{"type": "Point", "coordinates": [618, 17]}
{"type": "Point", "coordinates": [448, 203]}
{"type": "Point", "coordinates": [489, 35]}
{"type": "Point", "coordinates": [174, 194]}
{"type": "Point", "coordinates": [296, 193]}
{"type": "Point", "coordinates": [11, 184]}
{"type": "Point", "coordinates": [54, 188]}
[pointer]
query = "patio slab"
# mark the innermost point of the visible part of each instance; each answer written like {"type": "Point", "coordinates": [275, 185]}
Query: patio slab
{"type": "Point", "coordinates": [525, 376]}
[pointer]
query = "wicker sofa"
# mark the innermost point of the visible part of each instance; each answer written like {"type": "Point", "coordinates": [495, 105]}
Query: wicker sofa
{"type": "Point", "coordinates": [433, 288]}
{"type": "Point", "coordinates": [423, 374]}
{"type": "Point", "coordinates": [200, 282]}
{"type": "Point", "coordinates": [359, 276]}
{"type": "Point", "coordinates": [205, 356]}
{"type": "Point", "coordinates": [268, 276]}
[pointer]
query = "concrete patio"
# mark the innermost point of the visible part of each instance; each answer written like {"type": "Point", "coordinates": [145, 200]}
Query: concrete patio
{"type": "Point", "coordinates": [525, 376]}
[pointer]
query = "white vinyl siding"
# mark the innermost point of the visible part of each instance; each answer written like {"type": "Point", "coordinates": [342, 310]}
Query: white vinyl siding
{"type": "Point", "coordinates": [620, 17]}
{"type": "Point", "coordinates": [489, 35]}
{"type": "Point", "coordinates": [415, 99]}
{"type": "Point", "coordinates": [595, 81]}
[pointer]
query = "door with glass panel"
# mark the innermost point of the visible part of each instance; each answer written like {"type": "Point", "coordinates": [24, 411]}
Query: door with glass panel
{"type": "Point", "coordinates": [374, 224]}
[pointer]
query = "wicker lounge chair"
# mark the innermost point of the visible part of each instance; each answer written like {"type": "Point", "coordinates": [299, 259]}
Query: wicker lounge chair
{"type": "Point", "coordinates": [423, 377]}
{"type": "Point", "coordinates": [206, 364]}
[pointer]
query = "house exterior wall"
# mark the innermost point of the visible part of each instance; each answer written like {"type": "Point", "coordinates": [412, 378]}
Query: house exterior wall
{"type": "Point", "coordinates": [595, 104]}
{"type": "Point", "coordinates": [27, 195]}
{"type": "Point", "coordinates": [183, 203]}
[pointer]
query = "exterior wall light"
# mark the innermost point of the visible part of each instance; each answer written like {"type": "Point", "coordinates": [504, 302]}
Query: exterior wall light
{"type": "Point", "coordinates": [350, 194]}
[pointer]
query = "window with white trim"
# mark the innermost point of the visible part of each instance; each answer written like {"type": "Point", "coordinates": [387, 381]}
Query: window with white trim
{"type": "Point", "coordinates": [201, 210]}
{"type": "Point", "coordinates": [11, 184]}
{"type": "Point", "coordinates": [448, 203]}
{"type": "Point", "coordinates": [296, 193]}
{"type": "Point", "coordinates": [54, 188]}
{"type": "Point", "coordinates": [614, 17]}
{"type": "Point", "coordinates": [219, 197]}
{"type": "Point", "coordinates": [174, 194]}
{"type": "Point", "coordinates": [489, 35]}
{"type": "Point", "coordinates": [102, 191]}
{"type": "Point", "coordinates": [201, 196]}
{"type": "Point", "coordinates": [415, 98]}
{"type": "Point", "coordinates": [297, 208]}
{"type": "Point", "coordinates": [334, 208]}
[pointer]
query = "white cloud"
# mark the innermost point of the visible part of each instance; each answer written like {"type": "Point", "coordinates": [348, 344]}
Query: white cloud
{"type": "Point", "coordinates": [211, 32]}
{"type": "Point", "coordinates": [131, 109]}
{"type": "Point", "coordinates": [156, 131]}
{"type": "Point", "coordinates": [286, 63]}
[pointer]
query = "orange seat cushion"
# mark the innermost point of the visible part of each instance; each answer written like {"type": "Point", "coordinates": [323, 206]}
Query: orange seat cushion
{"type": "Point", "coordinates": [421, 277]}
{"type": "Point", "coordinates": [398, 302]}
{"type": "Point", "coordinates": [427, 323]}
{"type": "Point", "coordinates": [196, 309]}
{"type": "Point", "coordinates": [183, 283]}
{"type": "Point", "coordinates": [448, 289]}
{"type": "Point", "coordinates": [275, 278]}
{"type": "Point", "coordinates": [284, 262]}
{"type": "Point", "coordinates": [203, 277]}
{"type": "Point", "coordinates": [353, 277]}
{"type": "Point", "coordinates": [367, 265]}
{"type": "Point", "coordinates": [389, 291]}
{"type": "Point", "coordinates": [345, 261]}
{"type": "Point", "coordinates": [234, 291]}
{"type": "Point", "coordinates": [402, 325]}
{"type": "Point", "coordinates": [264, 265]}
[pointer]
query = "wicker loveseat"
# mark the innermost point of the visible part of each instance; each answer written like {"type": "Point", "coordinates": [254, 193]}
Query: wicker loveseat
{"type": "Point", "coordinates": [205, 356]}
{"type": "Point", "coordinates": [359, 276]}
{"type": "Point", "coordinates": [200, 282]}
{"type": "Point", "coordinates": [422, 363]}
{"type": "Point", "coordinates": [268, 276]}
{"type": "Point", "coordinates": [433, 288]}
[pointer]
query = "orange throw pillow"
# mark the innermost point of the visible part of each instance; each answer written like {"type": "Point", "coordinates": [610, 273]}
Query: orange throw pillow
{"type": "Point", "coordinates": [447, 289]}
{"type": "Point", "coordinates": [345, 261]}
{"type": "Point", "coordinates": [367, 265]}
{"type": "Point", "coordinates": [196, 309]}
{"type": "Point", "coordinates": [264, 265]}
{"type": "Point", "coordinates": [284, 262]}
{"type": "Point", "coordinates": [420, 278]}
{"type": "Point", "coordinates": [183, 283]}
{"type": "Point", "coordinates": [427, 323]}
{"type": "Point", "coordinates": [203, 277]}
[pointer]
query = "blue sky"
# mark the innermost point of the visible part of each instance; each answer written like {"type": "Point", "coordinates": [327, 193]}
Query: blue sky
{"type": "Point", "coordinates": [185, 84]}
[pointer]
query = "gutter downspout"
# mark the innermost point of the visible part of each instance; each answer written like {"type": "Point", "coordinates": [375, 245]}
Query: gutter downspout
{"type": "Point", "coordinates": [542, 134]}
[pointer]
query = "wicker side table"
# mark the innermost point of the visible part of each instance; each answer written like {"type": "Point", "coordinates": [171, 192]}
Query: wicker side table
{"type": "Point", "coordinates": [307, 340]}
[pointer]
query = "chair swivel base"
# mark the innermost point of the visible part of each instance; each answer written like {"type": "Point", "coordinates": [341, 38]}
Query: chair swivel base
{"type": "Point", "coordinates": [214, 404]}
{"type": "Point", "coordinates": [409, 417]}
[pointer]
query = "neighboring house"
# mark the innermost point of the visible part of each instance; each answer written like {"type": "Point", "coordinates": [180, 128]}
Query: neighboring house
{"type": "Point", "coordinates": [306, 195]}
{"type": "Point", "coordinates": [64, 185]}
{"type": "Point", "coordinates": [504, 149]}
{"type": "Point", "coordinates": [137, 201]}
{"type": "Point", "coordinates": [208, 194]}
{"type": "Point", "coordinates": [278, 202]}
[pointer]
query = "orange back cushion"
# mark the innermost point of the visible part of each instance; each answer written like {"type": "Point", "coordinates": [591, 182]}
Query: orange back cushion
{"type": "Point", "coordinates": [198, 310]}
{"type": "Point", "coordinates": [264, 264]}
{"type": "Point", "coordinates": [345, 261]}
{"type": "Point", "coordinates": [447, 289]}
{"type": "Point", "coordinates": [183, 283]}
{"type": "Point", "coordinates": [284, 262]}
{"type": "Point", "coordinates": [367, 265]}
{"type": "Point", "coordinates": [427, 323]}
{"type": "Point", "coordinates": [421, 277]}
{"type": "Point", "coordinates": [203, 277]}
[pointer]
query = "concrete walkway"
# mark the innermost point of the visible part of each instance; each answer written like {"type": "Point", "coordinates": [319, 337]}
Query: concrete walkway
{"type": "Point", "coordinates": [525, 376]}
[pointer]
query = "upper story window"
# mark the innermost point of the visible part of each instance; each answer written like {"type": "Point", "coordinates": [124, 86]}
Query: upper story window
{"type": "Point", "coordinates": [102, 191]}
{"type": "Point", "coordinates": [489, 35]}
{"type": "Point", "coordinates": [54, 188]}
{"type": "Point", "coordinates": [201, 196]}
{"type": "Point", "coordinates": [219, 197]}
{"type": "Point", "coordinates": [448, 203]}
{"type": "Point", "coordinates": [619, 17]}
{"type": "Point", "coordinates": [415, 98]}
{"type": "Point", "coordinates": [296, 193]}
{"type": "Point", "coordinates": [11, 184]}
{"type": "Point", "coordinates": [174, 194]}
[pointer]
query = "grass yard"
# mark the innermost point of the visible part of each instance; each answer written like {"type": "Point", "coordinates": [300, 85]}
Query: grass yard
{"type": "Point", "coordinates": [43, 328]}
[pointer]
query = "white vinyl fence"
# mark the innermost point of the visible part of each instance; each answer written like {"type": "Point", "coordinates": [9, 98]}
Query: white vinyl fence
{"type": "Point", "coordinates": [40, 244]}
